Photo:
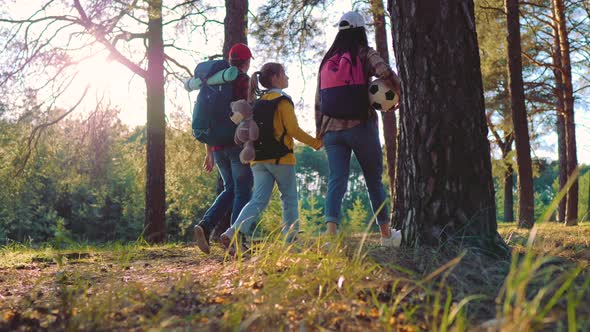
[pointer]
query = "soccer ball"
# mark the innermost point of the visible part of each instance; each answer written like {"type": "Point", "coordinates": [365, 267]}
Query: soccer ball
{"type": "Point", "coordinates": [382, 97]}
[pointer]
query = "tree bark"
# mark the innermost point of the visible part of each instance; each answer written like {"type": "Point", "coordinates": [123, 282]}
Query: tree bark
{"type": "Point", "coordinates": [560, 118]}
{"type": "Point", "coordinates": [506, 147]}
{"type": "Point", "coordinates": [155, 197]}
{"type": "Point", "coordinates": [571, 211]}
{"type": "Point", "coordinates": [509, 195]}
{"type": "Point", "coordinates": [444, 187]}
{"type": "Point", "coordinates": [560, 122]}
{"type": "Point", "coordinates": [235, 24]}
{"type": "Point", "coordinates": [562, 160]}
{"type": "Point", "coordinates": [508, 183]}
{"type": "Point", "coordinates": [235, 28]}
{"type": "Point", "coordinates": [388, 118]}
{"type": "Point", "coordinates": [519, 118]}
{"type": "Point", "coordinates": [588, 206]}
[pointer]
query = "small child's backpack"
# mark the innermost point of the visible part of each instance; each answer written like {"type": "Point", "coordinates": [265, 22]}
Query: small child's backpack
{"type": "Point", "coordinates": [343, 88]}
{"type": "Point", "coordinates": [211, 114]}
{"type": "Point", "coordinates": [267, 146]}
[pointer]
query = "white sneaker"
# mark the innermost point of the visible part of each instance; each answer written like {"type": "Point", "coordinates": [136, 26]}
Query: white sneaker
{"type": "Point", "coordinates": [226, 237]}
{"type": "Point", "coordinates": [394, 241]}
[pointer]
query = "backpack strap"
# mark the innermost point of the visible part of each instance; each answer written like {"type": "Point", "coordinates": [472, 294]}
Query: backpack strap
{"type": "Point", "coordinates": [282, 140]}
{"type": "Point", "coordinates": [276, 102]}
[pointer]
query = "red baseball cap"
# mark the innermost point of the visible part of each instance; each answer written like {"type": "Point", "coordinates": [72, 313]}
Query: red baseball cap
{"type": "Point", "coordinates": [240, 51]}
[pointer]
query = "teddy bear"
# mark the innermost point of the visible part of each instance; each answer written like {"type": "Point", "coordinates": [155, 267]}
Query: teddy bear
{"type": "Point", "coordinates": [247, 130]}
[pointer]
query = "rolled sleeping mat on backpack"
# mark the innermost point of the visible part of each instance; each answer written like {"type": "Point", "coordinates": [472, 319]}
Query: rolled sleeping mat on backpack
{"type": "Point", "coordinates": [224, 76]}
{"type": "Point", "coordinates": [220, 77]}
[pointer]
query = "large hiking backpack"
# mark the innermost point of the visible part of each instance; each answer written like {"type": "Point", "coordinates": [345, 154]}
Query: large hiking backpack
{"type": "Point", "coordinates": [343, 88]}
{"type": "Point", "coordinates": [211, 114]}
{"type": "Point", "coordinates": [267, 146]}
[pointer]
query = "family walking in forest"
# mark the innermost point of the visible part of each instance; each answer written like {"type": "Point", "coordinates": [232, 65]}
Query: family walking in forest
{"type": "Point", "coordinates": [260, 153]}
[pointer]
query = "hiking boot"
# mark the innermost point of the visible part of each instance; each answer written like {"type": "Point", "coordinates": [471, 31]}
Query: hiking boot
{"type": "Point", "coordinates": [201, 237]}
{"type": "Point", "coordinates": [393, 241]}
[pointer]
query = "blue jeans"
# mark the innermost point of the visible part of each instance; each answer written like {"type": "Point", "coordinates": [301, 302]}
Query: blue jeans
{"type": "Point", "coordinates": [363, 140]}
{"type": "Point", "coordinates": [265, 176]}
{"type": "Point", "coordinates": [237, 186]}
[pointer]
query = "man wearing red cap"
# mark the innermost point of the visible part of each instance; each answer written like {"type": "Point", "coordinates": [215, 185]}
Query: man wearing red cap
{"type": "Point", "coordinates": [239, 56]}
{"type": "Point", "coordinates": [237, 177]}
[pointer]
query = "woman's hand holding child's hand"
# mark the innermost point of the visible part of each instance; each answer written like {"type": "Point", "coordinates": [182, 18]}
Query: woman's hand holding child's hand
{"type": "Point", "coordinates": [320, 146]}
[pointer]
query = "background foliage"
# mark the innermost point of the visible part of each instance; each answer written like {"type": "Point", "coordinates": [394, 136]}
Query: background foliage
{"type": "Point", "coordinates": [87, 174]}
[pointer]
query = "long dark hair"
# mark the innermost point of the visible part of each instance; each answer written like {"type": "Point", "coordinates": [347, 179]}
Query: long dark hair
{"type": "Point", "coordinates": [349, 40]}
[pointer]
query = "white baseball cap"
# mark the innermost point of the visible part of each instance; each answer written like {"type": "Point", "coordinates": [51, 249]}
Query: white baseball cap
{"type": "Point", "coordinates": [351, 20]}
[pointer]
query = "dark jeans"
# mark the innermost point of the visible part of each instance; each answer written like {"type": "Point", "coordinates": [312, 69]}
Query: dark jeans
{"type": "Point", "coordinates": [237, 186]}
{"type": "Point", "coordinates": [363, 140]}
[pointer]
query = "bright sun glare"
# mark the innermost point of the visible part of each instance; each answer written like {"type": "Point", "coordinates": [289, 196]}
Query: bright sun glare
{"type": "Point", "coordinates": [111, 80]}
{"type": "Point", "coordinates": [100, 72]}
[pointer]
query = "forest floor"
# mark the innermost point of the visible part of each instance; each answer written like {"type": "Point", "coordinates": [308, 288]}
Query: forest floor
{"type": "Point", "coordinates": [355, 285]}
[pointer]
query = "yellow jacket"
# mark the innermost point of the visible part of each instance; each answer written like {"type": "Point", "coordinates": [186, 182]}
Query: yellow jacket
{"type": "Point", "coordinates": [285, 118]}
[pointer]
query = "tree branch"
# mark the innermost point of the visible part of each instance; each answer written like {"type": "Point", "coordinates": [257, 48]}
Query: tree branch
{"type": "Point", "coordinates": [127, 36]}
{"type": "Point", "coordinates": [582, 88]}
{"type": "Point", "coordinates": [540, 64]}
{"type": "Point", "coordinates": [38, 130]}
{"type": "Point", "coordinates": [100, 36]}
{"type": "Point", "coordinates": [177, 64]}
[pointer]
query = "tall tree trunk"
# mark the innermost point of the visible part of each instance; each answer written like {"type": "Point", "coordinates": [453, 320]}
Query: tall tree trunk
{"type": "Point", "coordinates": [506, 148]}
{"type": "Point", "coordinates": [388, 118]}
{"type": "Point", "coordinates": [509, 194]}
{"type": "Point", "coordinates": [444, 188]}
{"type": "Point", "coordinates": [519, 119]}
{"type": "Point", "coordinates": [562, 159]}
{"type": "Point", "coordinates": [235, 24]}
{"type": "Point", "coordinates": [508, 185]}
{"type": "Point", "coordinates": [560, 118]}
{"type": "Point", "coordinates": [571, 211]}
{"type": "Point", "coordinates": [235, 28]}
{"type": "Point", "coordinates": [155, 197]}
{"type": "Point", "coordinates": [588, 206]}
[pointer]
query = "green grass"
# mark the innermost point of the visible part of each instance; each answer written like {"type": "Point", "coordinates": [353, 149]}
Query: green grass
{"type": "Point", "coordinates": [544, 286]}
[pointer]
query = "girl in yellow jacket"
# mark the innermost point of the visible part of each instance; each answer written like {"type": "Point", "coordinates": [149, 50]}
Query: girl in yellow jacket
{"type": "Point", "coordinates": [274, 161]}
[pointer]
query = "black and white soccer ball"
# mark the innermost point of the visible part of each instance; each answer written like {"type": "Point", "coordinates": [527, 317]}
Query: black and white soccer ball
{"type": "Point", "coordinates": [382, 97]}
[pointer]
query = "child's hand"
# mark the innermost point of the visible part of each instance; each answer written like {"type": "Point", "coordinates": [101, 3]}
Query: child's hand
{"type": "Point", "coordinates": [320, 146]}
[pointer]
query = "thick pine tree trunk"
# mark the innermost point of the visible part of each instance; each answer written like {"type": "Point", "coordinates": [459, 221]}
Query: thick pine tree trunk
{"type": "Point", "coordinates": [560, 119]}
{"type": "Point", "coordinates": [235, 27]}
{"type": "Point", "coordinates": [235, 24]}
{"type": "Point", "coordinates": [155, 197]}
{"type": "Point", "coordinates": [571, 211]}
{"type": "Point", "coordinates": [444, 186]}
{"type": "Point", "coordinates": [519, 119]}
{"type": "Point", "coordinates": [388, 118]}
